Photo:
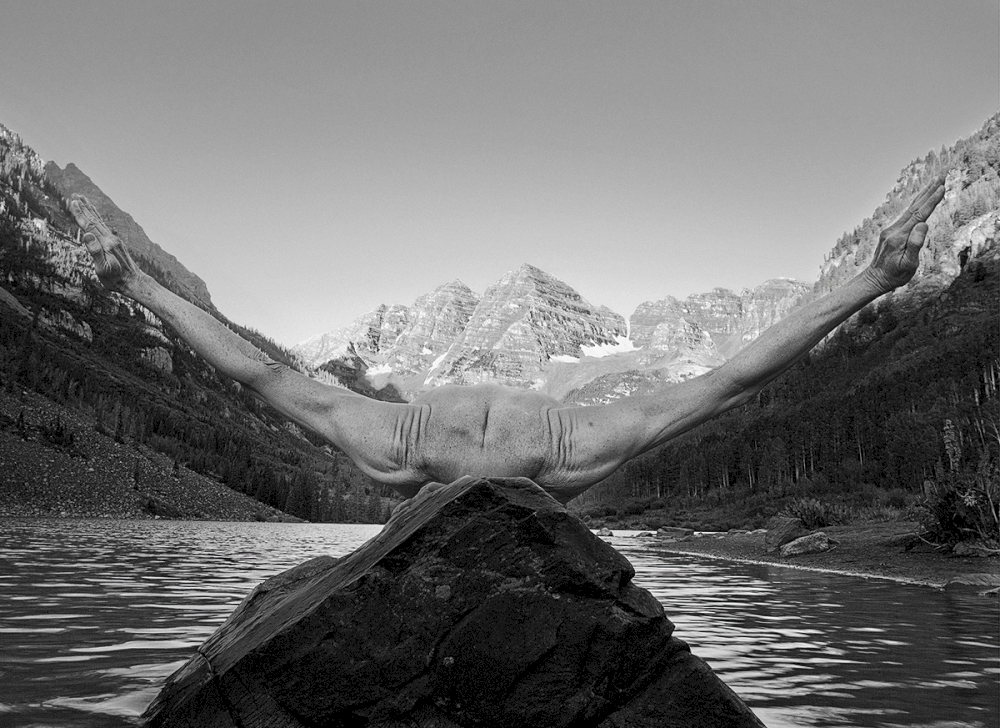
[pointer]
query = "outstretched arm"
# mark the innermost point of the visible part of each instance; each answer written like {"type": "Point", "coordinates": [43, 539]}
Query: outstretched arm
{"type": "Point", "coordinates": [360, 426]}
{"type": "Point", "coordinates": [633, 425]}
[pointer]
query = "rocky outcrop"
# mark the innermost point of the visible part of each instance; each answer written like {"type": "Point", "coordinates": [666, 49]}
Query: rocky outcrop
{"type": "Point", "coordinates": [482, 603]}
{"type": "Point", "coordinates": [158, 358]}
{"type": "Point", "coordinates": [59, 321]}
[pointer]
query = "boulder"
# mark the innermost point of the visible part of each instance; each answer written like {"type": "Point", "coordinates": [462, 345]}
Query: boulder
{"type": "Point", "coordinates": [813, 543]}
{"type": "Point", "coordinates": [782, 530]}
{"type": "Point", "coordinates": [673, 532]}
{"type": "Point", "coordinates": [482, 603]}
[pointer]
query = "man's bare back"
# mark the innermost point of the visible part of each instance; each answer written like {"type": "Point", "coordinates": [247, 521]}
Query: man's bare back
{"type": "Point", "coordinates": [484, 430]}
{"type": "Point", "coordinates": [488, 430]}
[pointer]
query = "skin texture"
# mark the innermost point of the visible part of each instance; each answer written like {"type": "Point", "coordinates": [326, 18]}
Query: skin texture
{"type": "Point", "coordinates": [490, 431]}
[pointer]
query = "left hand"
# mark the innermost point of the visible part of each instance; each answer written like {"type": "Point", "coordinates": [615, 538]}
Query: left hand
{"type": "Point", "coordinates": [898, 253]}
{"type": "Point", "coordinates": [115, 267]}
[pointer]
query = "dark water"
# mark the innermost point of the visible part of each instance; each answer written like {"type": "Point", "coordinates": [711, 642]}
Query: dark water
{"type": "Point", "coordinates": [94, 615]}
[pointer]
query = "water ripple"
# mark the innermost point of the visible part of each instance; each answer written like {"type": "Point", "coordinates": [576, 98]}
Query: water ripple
{"type": "Point", "coordinates": [90, 633]}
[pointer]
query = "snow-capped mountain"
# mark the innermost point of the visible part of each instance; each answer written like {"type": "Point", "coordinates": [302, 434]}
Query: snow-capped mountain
{"type": "Point", "coordinates": [530, 329]}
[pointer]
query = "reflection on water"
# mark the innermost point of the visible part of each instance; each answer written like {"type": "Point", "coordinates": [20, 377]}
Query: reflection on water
{"type": "Point", "coordinates": [810, 649]}
{"type": "Point", "coordinates": [96, 614]}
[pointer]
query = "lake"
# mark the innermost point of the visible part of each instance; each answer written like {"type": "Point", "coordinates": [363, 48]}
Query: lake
{"type": "Point", "coordinates": [95, 614]}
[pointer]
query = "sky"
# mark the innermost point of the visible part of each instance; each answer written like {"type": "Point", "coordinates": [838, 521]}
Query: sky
{"type": "Point", "coordinates": [311, 160]}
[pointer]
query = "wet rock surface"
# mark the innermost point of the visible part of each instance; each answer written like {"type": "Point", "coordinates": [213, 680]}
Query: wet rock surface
{"type": "Point", "coordinates": [482, 603]}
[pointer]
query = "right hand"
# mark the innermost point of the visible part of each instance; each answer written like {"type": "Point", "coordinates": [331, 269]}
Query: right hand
{"type": "Point", "coordinates": [115, 267]}
{"type": "Point", "coordinates": [898, 253]}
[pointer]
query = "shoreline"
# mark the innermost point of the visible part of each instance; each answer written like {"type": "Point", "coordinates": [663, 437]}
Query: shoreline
{"type": "Point", "coordinates": [802, 567]}
{"type": "Point", "coordinates": [889, 551]}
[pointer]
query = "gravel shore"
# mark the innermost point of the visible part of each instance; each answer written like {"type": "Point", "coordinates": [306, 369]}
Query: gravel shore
{"type": "Point", "coordinates": [98, 477]}
{"type": "Point", "coordinates": [878, 550]}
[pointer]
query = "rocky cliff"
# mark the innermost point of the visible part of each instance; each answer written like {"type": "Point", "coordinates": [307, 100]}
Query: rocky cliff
{"type": "Point", "coordinates": [436, 321]}
{"type": "Point", "coordinates": [718, 322]}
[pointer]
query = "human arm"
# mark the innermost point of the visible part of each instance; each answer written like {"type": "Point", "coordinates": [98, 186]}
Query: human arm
{"type": "Point", "coordinates": [610, 435]}
{"type": "Point", "coordinates": [360, 426]}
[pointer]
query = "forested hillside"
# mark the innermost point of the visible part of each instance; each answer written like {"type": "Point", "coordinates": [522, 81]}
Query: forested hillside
{"type": "Point", "coordinates": [62, 335]}
{"type": "Point", "coordinates": [896, 411]}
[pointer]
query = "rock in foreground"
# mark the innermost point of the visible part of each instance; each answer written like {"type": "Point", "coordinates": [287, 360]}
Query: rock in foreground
{"type": "Point", "coordinates": [482, 603]}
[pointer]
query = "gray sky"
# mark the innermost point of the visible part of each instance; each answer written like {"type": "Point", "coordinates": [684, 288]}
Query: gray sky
{"type": "Point", "coordinates": [311, 160]}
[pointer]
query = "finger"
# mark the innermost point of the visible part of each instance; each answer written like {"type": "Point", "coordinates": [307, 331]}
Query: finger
{"type": "Point", "coordinates": [923, 210]}
{"type": "Point", "coordinates": [917, 236]}
{"type": "Point", "coordinates": [75, 209]}
{"type": "Point", "coordinates": [93, 244]}
{"type": "Point", "coordinates": [922, 206]}
{"type": "Point", "coordinates": [925, 202]}
{"type": "Point", "coordinates": [87, 216]}
{"type": "Point", "coordinates": [913, 244]}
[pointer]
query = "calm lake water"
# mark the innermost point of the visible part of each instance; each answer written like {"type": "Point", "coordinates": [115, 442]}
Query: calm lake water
{"type": "Point", "coordinates": [94, 615]}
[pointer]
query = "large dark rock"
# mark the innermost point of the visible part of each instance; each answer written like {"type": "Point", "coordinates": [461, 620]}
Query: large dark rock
{"type": "Point", "coordinates": [481, 603]}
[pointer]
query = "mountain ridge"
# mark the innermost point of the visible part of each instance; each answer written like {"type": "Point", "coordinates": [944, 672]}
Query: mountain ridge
{"type": "Point", "coordinates": [529, 328]}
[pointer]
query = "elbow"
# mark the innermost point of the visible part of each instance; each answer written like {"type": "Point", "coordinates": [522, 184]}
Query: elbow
{"type": "Point", "coordinates": [259, 376]}
{"type": "Point", "coordinates": [742, 398]}
{"type": "Point", "coordinates": [733, 391]}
